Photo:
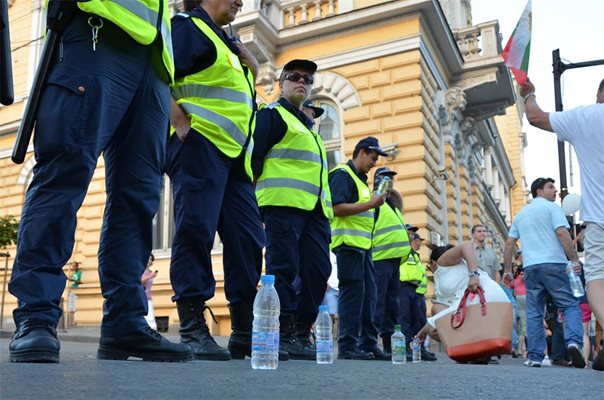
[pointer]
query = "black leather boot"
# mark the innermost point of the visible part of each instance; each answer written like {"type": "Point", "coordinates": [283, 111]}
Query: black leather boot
{"type": "Point", "coordinates": [304, 334]}
{"type": "Point", "coordinates": [240, 342]}
{"type": "Point", "coordinates": [35, 341]}
{"type": "Point", "coordinates": [387, 343]}
{"type": "Point", "coordinates": [289, 342]}
{"type": "Point", "coordinates": [194, 331]}
{"type": "Point", "coordinates": [147, 344]}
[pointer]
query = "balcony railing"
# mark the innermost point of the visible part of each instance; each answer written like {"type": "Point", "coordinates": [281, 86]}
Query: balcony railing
{"type": "Point", "coordinates": [480, 41]}
{"type": "Point", "coordinates": [300, 12]}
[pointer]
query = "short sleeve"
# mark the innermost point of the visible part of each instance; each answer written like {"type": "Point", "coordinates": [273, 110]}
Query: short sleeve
{"type": "Point", "coordinates": [513, 233]}
{"type": "Point", "coordinates": [342, 187]}
{"type": "Point", "coordinates": [565, 123]}
{"type": "Point", "coordinates": [558, 218]}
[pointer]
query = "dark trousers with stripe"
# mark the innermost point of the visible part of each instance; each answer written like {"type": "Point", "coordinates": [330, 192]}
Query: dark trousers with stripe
{"type": "Point", "coordinates": [410, 309]}
{"type": "Point", "coordinates": [108, 101]}
{"type": "Point", "coordinates": [357, 301]}
{"type": "Point", "coordinates": [297, 253]}
{"type": "Point", "coordinates": [387, 278]}
{"type": "Point", "coordinates": [212, 193]}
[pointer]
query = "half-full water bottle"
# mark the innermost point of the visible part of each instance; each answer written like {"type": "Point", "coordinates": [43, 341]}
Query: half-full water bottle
{"type": "Point", "coordinates": [416, 347]}
{"type": "Point", "coordinates": [399, 347]}
{"type": "Point", "coordinates": [383, 187]}
{"type": "Point", "coordinates": [324, 334]}
{"type": "Point", "coordinates": [265, 328]}
{"type": "Point", "coordinates": [575, 282]}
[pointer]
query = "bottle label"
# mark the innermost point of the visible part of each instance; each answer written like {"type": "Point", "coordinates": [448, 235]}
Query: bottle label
{"type": "Point", "coordinates": [398, 347]}
{"type": "Point", "coordinates": [324, 346]}
{"type": "Point", "coordinates": [265, 341]}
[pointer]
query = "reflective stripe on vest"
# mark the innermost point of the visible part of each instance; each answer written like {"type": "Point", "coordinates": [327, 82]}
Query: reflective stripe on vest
{"type": "Point", "coordinates": [408, 269]}
{"type": "Point", "coordinates": [354, 230]}
{"type": "Point", "coordinates": [390, 238]}
{"type": "Point", "coordinates": [220, 100]}
{"type": "Point", "coordinates": [141, 20]}
{"type": "Point", "coordinates": [294, 172]}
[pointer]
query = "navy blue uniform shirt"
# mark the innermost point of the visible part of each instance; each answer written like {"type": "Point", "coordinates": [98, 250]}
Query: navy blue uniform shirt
{"type": "Point", "coordinates": [270, 130]}
{"type": "Point", "coordinates": [193, 50]}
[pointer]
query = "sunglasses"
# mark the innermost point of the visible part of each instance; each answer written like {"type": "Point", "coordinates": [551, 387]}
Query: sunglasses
{"type": "Point", "coordinates": [296, 76]}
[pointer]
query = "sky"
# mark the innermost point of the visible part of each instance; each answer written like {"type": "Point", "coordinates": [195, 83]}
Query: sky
{"type": "Point", "coordinates": [576, 28]}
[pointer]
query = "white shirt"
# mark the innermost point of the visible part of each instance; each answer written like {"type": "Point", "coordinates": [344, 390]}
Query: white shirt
{"type": "Point", "coordinates": [583, 127]}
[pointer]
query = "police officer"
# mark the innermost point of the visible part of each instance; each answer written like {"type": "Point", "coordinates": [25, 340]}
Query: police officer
{"type": "Point", "coordinates": [412, 274]}
{"type": "Point", "coordinates": [390, 246]}
{"type": "Point", "coordinates": [209, 164]}
{"type": "Point", "coordinates": [290, 164]}
{"type": "Point", "coordinates": [107, 92]}
{"type": "Point", "coordinates": [351, 231]}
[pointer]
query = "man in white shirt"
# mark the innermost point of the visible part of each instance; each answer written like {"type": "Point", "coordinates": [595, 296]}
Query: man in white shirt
{"type": "Point", "coordinates": [583, 127]}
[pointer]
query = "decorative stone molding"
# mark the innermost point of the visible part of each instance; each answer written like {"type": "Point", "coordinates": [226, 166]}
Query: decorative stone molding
{"type": "Point", "coordinates": [26, 175]}
{"type": "Point", "coordinates": [267, 75]}
{"type": "Point", "coordinates": [338, 88]}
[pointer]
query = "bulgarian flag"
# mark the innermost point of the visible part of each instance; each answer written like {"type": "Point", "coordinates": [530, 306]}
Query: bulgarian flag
{"type": "Point", "coordinates": [517, 51]}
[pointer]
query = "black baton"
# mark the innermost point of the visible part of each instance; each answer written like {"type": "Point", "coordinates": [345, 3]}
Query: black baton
{"type": "Point", "coordinates": [59, 15]}
{"type": "Point", "coordinates": [7, 95]}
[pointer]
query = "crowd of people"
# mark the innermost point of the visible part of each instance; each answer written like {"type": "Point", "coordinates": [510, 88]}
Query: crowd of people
{"type": "Point", "coordinates": [257, 176]}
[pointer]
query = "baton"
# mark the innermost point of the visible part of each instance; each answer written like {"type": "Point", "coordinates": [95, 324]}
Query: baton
{"type": "Point", "coordinates": [7, 95]}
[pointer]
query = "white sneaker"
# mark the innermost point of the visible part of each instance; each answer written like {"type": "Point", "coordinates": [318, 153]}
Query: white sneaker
{"type": "Point", "coordinates": [531, 363]}
{"type": "Point", "coordinates": [546, 362]}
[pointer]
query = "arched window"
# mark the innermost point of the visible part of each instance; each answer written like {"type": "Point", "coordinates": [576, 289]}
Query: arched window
{"type": "Point", "coordinates": [329, 127]}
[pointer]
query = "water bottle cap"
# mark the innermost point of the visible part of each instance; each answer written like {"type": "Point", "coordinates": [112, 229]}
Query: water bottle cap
{"type": "Point", "coordinates": [267, 279]}
{"type": "Point", "coordinates": [323, 308]}
{"type": "Point", "coordinates": [397, 328]}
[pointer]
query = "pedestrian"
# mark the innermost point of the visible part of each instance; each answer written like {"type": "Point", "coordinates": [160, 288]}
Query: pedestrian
{"type": "Point", "coordinates": [147, 281]}
{"type": "Point", "coordinates": [487, 259]}
{"type": "Point", "coordinates": [520, 296]}
{"type": "Point", "coordinates": [209, 164]}
{"type": "Point", "coordinates": [543, 229]}
{"type": "Point", "coordinates": [312, 111]}
{"type": "Point", "coordinates": [290, 165]}
{"type": "Point", "coordinates": [76, 279]}
{"type": "Point", "coordinates": [390, 246]}
{"type": "Point", "coordinates": [420, 292]}
{"type": "Point", "coordinates": [582, 127]}
{"type": "Point", "coordinates": [351, 231]}
{"type": "Point", "coordinates": [102, 95]}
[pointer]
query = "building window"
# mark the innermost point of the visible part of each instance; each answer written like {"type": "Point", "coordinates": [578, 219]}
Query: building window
{"type": "Point", "coordinates": [328, 126]}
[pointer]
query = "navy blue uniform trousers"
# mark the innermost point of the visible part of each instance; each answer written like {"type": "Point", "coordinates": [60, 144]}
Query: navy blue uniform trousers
{"type": "Point", "coordinates": [212, 193]}
{"type": "Point", "coordinates": [387, 278]}
{"type": "Point", "coordinates": [110, 101]}
{"type": "Point", "coordinates": [357, 301]}
{"type": "Point", "coordinates": [297, 245]}
{"type": "Point", "coordinates": [410, 314]}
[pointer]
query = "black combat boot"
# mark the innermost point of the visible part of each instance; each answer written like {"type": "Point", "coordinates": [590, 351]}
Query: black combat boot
{"type": "Point", "coordinates": [146, 344]}
{"type": "Point", "coordinates": [35, 341]}
{"type": "Point", "coordinates": [194, 331]}
{"type": "Point", "coordinates": [387, 343]}
{"type": "Point", "coordinates": [289, 342]}
{"type": "Point", "coordinates": [240, 342]}
{"type": "Point", "coordinates": [305, 335]}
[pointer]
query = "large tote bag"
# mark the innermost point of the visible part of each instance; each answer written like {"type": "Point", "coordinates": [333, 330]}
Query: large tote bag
{"type": "Point", "coordinates": [477, 331]}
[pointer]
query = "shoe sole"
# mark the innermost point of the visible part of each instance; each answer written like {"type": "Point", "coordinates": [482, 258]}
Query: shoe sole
{"type": "Point", "coordinates": [212, 357]}
{"type": "Point", "coordinates": [34, 356]}
{"type": "Point", "coordinates": [576, 357]}
{"type": "Point", "coordinates": [356, 358]}
{"type": "Point", "coordinates": [105, 353]}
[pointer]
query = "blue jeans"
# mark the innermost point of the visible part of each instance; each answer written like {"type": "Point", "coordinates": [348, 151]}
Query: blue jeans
{"type": "Point", "coordinates": [550, 278]}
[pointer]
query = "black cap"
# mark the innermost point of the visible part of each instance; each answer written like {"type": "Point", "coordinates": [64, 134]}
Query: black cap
{"type": "Point", "coordinates": [305, 65]}
{"type": "Point", "coordinates": [411, 228]}
{"type": "Point", "coordinates": [370, 143]}
{"type": "Point", "coordinates": [318, 110]}
{"type": "Point", "coordinates": [384, 171]}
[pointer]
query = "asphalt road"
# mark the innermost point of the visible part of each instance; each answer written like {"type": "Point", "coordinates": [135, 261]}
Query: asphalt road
{"type": "Point", "coordinates": [81, 376]}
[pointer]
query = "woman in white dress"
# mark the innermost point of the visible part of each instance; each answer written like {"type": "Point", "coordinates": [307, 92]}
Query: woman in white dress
{"type": "Point", "coordinates": [455, 268]}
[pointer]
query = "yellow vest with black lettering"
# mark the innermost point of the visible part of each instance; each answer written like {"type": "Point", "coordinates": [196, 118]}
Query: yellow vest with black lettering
{"type": "Point", "coordinates": [220, 100]}
{"type": "Point", "coordinates": [409, 270]}
{"type": "Point", "coordinates": [390, 238]}
{"type": "Point", "coordinates": [141, 19]}
{"type": "Point", "coordinates": [423, 284]}
{"type": "Point", "coordinates": [294, 173]}
{"type": "Point", "coordinates": [354, 230]}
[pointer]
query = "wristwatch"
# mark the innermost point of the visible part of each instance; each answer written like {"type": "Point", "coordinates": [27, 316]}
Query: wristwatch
{"type": "Point", "coordinates": [473, 273]}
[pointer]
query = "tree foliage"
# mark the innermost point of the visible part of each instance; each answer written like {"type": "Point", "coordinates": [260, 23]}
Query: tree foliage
{"type": "Point", "coordinates": [8, 231]}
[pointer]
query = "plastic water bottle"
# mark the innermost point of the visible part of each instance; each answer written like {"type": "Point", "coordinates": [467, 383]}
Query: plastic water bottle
{"type": "Point", "coordinates": [575, 282]}
{"type": "Point", "coordinates": [399, 347]}
{"type": "Point", "coordinates": [416, 347]}
{"type": "Point", "coordinates": [265, 328]}
{"type": "Point", "coordinates": [324, 337]}
{"type": "Point", "coordinates": [383, 187]}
